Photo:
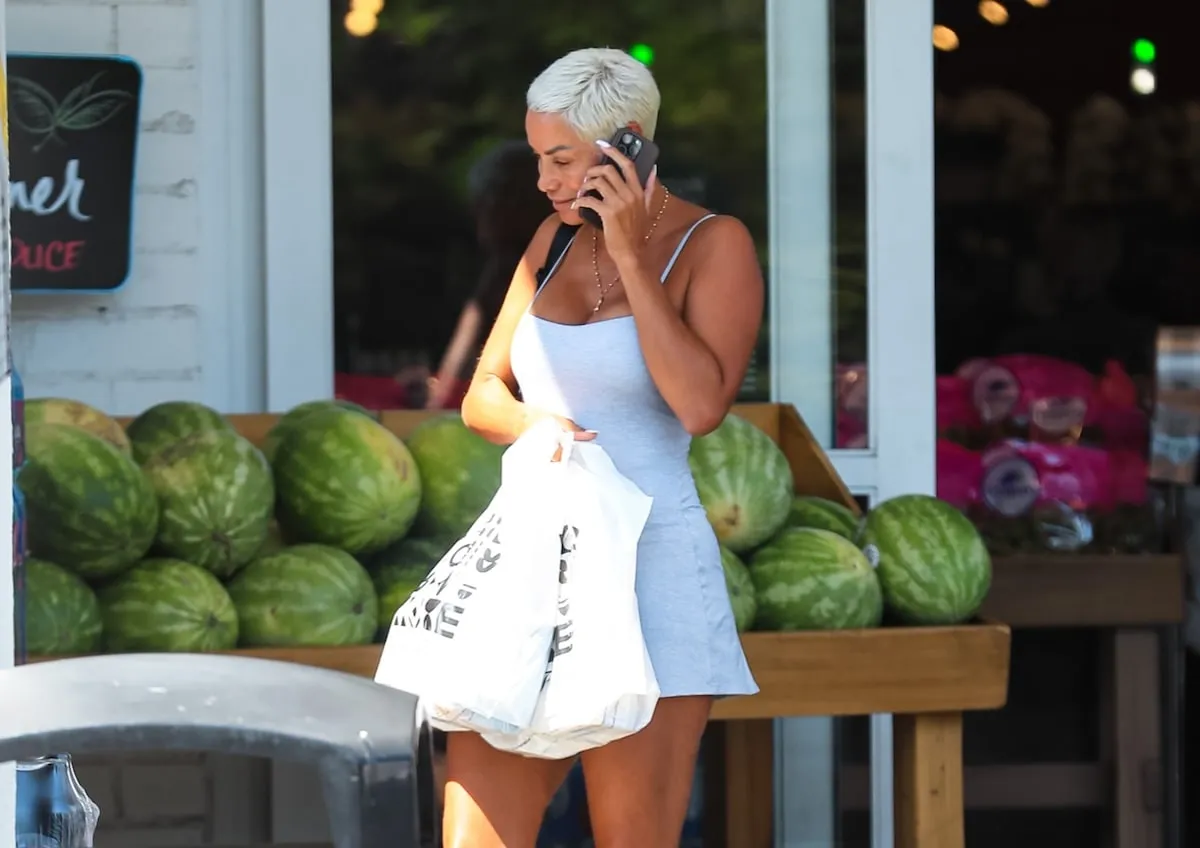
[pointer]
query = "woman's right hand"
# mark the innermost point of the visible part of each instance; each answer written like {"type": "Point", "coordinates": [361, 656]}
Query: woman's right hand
{"type": "Point", "coordinates": [533, 417]}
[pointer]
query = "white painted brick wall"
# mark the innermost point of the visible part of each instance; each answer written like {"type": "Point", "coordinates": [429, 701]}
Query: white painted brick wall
{"type": "Point", "coordinates": [126, 351]}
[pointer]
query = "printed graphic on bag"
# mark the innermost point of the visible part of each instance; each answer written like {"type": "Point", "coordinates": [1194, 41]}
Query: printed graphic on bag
{"type": "Point", "coordinates": [560, 642]}
{"type": "Point", "coordinates": [442, 615]}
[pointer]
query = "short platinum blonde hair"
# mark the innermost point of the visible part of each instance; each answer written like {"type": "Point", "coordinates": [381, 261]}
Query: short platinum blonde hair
{"type": "Point", "coordinates": [597, 91]}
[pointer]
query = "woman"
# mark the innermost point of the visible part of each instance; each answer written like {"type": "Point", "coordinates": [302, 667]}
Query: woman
{"type": "Point", "coordinates": [508, 208]}
{"type": "Point", "coordinates": [638, 337]}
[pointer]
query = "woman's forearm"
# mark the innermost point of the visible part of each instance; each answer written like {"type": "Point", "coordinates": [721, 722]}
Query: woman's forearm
{"type": "Point", "coordinates": [492, 411]}
{"type": "Point", "coordinates": [685, 371]}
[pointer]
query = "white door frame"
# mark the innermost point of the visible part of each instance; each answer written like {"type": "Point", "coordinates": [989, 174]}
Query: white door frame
{"type": "Point", "coordinates": [900, 308]}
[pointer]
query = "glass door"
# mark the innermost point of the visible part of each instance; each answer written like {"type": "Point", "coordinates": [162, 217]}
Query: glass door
{"type": "Point", "coordinates": [850, 129]}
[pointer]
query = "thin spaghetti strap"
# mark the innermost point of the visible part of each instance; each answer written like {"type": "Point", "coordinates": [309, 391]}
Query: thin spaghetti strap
{"type": "Point", "coordinates": [683, 243]}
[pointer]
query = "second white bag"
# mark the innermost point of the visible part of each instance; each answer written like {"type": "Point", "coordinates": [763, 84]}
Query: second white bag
{"type": "Point", "coordinates": [600, 684]}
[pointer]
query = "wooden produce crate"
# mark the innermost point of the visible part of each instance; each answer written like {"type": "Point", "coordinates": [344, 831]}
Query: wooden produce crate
{"type": "Point", "coordinates": [927, 676]}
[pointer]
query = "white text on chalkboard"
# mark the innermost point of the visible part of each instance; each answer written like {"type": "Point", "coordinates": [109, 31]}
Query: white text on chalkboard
{"type": "Point", "coordinates": [42, 199]}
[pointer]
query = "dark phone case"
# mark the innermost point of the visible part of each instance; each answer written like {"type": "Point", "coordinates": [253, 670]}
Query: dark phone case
{"type": "Point", "coordinates": [643, 162]}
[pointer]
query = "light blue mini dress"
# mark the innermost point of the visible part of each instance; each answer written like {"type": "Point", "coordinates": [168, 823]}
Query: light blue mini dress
{"type": "Point", "coordinates": [594, 374]}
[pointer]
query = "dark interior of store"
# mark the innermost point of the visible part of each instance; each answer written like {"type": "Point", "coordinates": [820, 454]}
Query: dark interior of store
{"type": "Point", "coordinates": [1067, 209]}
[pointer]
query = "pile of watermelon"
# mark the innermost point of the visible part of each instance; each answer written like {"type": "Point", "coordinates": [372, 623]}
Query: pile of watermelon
{"type": "Point", "coordinates": [176, 533]}
{"type": "Point", "coordinates": [807, 563]}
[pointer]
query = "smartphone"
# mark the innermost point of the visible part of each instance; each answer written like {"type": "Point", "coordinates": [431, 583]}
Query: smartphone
{"type": "Point", "coordinates": [641, 151]}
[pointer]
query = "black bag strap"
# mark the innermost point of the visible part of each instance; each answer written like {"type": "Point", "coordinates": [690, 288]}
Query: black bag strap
{"type": "Point", "coordinates": [558, 246]}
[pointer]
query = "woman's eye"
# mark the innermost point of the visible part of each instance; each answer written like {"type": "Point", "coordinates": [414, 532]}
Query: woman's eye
{"type": "Point", "coordinates": [562, 164]}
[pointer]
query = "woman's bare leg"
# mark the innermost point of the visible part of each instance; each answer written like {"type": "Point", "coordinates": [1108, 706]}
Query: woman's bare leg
{"type": "Point", "coordinates": [638, 787]}
{"type": "Point", "coordinates": [495, 799]}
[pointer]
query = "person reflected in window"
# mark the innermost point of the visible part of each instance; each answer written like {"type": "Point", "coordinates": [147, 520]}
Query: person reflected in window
{"type": "Point", "coordinates": [508, 209]}
{"type": "Point", "coordinates": [637, 335]}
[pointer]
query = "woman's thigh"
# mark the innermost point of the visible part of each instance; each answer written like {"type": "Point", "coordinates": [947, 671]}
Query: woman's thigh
{"type": "Point", "coordinates": [638, 787]}
{"type": "Point", "coordinates": [495, 799]}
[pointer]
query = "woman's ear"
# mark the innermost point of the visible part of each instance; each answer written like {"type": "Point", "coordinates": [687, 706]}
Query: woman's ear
{"type": "Point", "coordinates": [636, 127]}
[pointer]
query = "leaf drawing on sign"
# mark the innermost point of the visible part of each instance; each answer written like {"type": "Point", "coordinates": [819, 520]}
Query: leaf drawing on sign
{"type": "Point", "coordinates": [37, 112]}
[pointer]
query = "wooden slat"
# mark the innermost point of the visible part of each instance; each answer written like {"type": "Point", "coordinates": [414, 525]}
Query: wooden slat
{"type": "Point", "coordinates": [811, 467]}
{"type": "Point", "coordinates": [928, 781]}
{"type": "Point", "coordinates": [1068, 590]}
{"type": "Point", "coordinates": [849, 672]}
{"type": "Point", "coordinates": [749, 784]}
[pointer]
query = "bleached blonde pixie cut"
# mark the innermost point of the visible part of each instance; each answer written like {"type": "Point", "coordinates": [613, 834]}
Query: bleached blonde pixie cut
{"type": "Point", "coordinates": [597, 90]}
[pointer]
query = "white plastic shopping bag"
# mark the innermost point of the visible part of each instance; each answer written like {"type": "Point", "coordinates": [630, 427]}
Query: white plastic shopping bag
{"type": "Point", "coordinates": [472, 640]}
{"type": "Point", "coordinates": [600, 684]}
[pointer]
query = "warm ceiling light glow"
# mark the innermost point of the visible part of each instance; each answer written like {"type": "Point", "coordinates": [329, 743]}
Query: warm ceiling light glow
{"type": "Point", "coordinates": [361, 23]}
{"type": "Point", "coordinates": [993, 12]}
{"type": "Point", "coordinates": [1038, 4]}
{"type": "Point", "coordinates": [945, 38]}
{"type": "Point", "coordinates": [372, 7]}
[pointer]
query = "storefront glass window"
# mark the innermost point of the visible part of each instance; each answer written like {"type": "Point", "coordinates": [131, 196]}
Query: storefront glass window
{"type": "Point", "coordinates": [434, 194]}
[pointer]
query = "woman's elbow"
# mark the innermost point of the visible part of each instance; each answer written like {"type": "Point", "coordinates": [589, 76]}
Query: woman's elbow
{"type": "Point", "coordinates": [703, 419]}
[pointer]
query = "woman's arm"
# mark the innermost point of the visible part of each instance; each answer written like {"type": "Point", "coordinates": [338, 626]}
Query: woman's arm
{"type": "Point", "coordinates": [490, 407]}
{"type": "Point", "coordinates": [699, 358]}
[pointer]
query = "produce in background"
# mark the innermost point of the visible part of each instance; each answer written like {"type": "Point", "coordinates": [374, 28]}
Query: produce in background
{"type": "Point", "coordinates": [296, 416]}
{"type": "Point", "coordinates": [305, 596]}
{"type": "Point", "coordinates": [89, 508]}
{"type": "Point", "coordinates": [932, 562]}
{"type": "Point", "coordinates": [400, 568]}
{"type": "Point", "coordinates": [822, 514]}
{"type": "Point", "coordinates": [47, 410]}
{"type": "Point", "coordinates": [167, 605]}
{"type": "Point", "coordinates": [460, 473]}
{"type": "Point", "coordinates": [741, 590]}
{"type": "Point", "coordinates": [62, 615]}
{"type": "Point", "coordinates": [808, 579]}
{"type": "Point", "coordinates": [166, 423]}
{"type": "Point", "coordinates": [744, 481]}
{"type": "Point", "coordinates": [215, 497]}
{"type": "Point", "coordinates": [344, 480]}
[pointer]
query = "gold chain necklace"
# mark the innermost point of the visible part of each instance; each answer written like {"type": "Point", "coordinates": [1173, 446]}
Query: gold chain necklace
{"type": "Point", "coordinates": [600, 287]}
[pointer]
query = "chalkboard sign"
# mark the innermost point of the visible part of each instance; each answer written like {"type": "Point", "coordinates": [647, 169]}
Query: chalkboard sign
{"type": "Point", "coordinates": [73, 128]}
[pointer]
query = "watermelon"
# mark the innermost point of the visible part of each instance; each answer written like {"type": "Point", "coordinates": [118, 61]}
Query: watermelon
{"type": "Point", "coordinates": [166, 604]}
{"type": "Point", "coordinates": [822, 514]}
{"type": "Point", "coordinates": [305, 596]}
{"type": "Point", "coordinates": [344, 480]}
{"type": "Point", "coordinates": [744, 482]}
{"type": "Point", "coordinates": [809, 579]}
{"type": "Point", "coordinates": [166, 423]}
{"type": "Point", "coordinates": [48, 410]}
{"type": "Point", "coordinates": [215, 496]}
{"type": "Point", "coordinates": [295, 417]}
{"type": "Point", "coordinates": [400, 568]}
{"type": "Point", "coordinates": [274, 543]}
{"type": "Point", "coordinates": [89, 507]}
{"type": "Point", "coordinates": [460, 473]}
{"type": "Point", "coordinates": [933, 564]}
{"type": "Point", "coordinates": [741, 590]}
{"type": "Point", "coordinates": [62, 615]}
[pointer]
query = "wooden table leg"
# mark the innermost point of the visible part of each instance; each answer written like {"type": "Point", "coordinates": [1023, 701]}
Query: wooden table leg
{"type": "Point", "coordinates": [928, 780]}
{"type": "Point", "coordinates": [749, 783]}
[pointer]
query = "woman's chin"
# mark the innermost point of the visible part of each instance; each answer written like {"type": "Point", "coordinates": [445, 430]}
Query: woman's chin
{"type": "Point", "coordinates": [568, 216]}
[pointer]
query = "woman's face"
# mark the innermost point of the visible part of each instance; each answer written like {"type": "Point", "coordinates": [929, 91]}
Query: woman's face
{"type": "Point", "coordinates": [563, 159]}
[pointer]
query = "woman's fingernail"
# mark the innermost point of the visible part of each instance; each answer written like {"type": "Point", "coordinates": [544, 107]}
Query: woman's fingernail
{"type": "Point", "coordinates": [574, 203]}
{"type": "Point", "coordinates": [603, 143]}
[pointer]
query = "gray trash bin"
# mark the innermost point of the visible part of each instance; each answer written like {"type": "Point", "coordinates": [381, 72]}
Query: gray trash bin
{"type": "Point", "coordinates": [373, 754]}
